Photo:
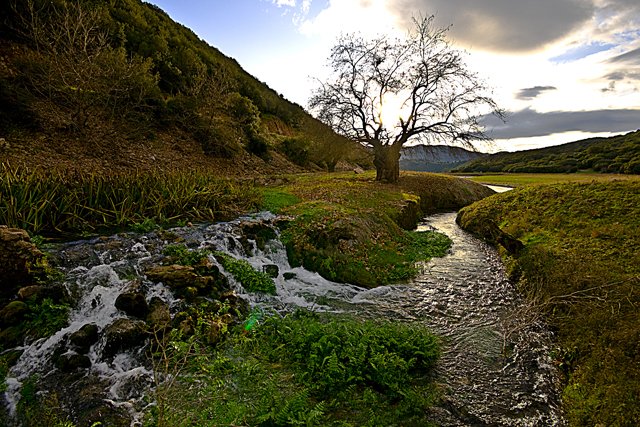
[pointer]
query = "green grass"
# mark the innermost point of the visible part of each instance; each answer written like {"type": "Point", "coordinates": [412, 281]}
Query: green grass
{"type": "Point", "coordinates": [47, 202]}
{"type": "Point", "coordinates": [349, 228]}
{"type": "Point", "coordinates": [521, 179]}
{"type": "Point", "coordinates": [581, 266]}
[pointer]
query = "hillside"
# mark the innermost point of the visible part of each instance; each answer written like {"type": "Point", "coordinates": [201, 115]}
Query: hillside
{"type": "Point", "coordinates": [100, 85]}
{"type": "Point", "coordinates": [618, 154]}
{"type": "Point", "coordinates": [435, 158]}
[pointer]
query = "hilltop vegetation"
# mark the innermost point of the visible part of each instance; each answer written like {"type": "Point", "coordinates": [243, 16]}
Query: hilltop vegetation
{"type": "Point", "coordinates": [118, 79]}
{"type": "Point", "coordinates": [618, 154]}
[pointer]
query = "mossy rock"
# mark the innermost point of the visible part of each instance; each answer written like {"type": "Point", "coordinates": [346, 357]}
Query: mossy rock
{"type": "Point", "coordinates": [13, 314]}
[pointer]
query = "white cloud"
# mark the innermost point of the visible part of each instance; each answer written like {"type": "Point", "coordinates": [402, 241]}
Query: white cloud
{"type": "Point", "coordinates": [585, 49]}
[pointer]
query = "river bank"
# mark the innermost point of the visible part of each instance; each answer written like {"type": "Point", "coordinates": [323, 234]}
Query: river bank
{"type": "Point", "coordinates": [101, 269]}
{"type": "Point", "coordinates": [579, 269]}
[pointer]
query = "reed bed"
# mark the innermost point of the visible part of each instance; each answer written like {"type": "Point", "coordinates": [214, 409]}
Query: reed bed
{"type": "Point", "coordinates": [46, 202]}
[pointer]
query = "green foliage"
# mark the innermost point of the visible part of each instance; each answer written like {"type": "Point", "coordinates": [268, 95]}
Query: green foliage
{"type": "Point", "coordinates": [251, 279]}
{"type": "Point", "coordinates": [145, 226]}
{"type": "Point", "coordinates": [580, 267]}
{"type": "Point", "coordinates": [297, 149]}
{"type": "Point", "coordinates": [39, 201]}
{"type": "Point", "coordinates": [184, 256]}
{"type": "Point", "coordinates": [333, 356]}
{"type": "Point", "coordinates": [45, 318]}
{"type": "Point", "coordinates": [618, 154]}
{"type": "Point", "coordinates": [263, 379]}
{"type": "Point", "coordinates": [276, 199]}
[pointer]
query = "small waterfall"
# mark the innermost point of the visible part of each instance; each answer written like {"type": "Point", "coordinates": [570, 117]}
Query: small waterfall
{"type": "Point", "coordinates": [462, 297]}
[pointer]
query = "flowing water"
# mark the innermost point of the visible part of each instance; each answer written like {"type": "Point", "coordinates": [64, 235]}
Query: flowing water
{"type": "Point", "coordinates": [495, 369]}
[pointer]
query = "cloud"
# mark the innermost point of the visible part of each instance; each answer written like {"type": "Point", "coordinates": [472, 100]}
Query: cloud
{"type": "Point", "coordinates": [501, 26]}
{"type": "Point", "coordinates": [624, 74]}
{"type": "Point", "coordinates": [533, 92]}
{"type": "Point", "coordinates": [632, 58]}
{"type": "Point", "coordinates": [281, 3]}
{"type": "Point", "coordinates": [529, 123]}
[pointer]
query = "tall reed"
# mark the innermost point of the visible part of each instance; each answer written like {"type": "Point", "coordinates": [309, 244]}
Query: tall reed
{"type": "Point", "coordinates": [40, 201]}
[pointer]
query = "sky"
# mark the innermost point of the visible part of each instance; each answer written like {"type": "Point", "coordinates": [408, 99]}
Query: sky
{"type": "Point", "coordinates": [565, 70]}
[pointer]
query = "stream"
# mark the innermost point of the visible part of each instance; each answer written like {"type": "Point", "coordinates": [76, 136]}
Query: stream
{"type": "Point", "coordinates": [495, 369]}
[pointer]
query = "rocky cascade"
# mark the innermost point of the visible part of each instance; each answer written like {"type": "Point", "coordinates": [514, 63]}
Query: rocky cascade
{"type": "Point", "coordinates": [122, 295]}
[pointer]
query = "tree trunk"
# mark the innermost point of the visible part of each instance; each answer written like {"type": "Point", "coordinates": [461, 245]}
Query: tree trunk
{"type": "Point", "coordinates": [387, 162]}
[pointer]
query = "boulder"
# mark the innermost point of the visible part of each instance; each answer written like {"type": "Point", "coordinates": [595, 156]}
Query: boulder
{"type": "Point", "coordinates": [13, 313]}
{"type": "Point", "coordinates": [84, 338]}
{"type": "Point", "coordinates": [133, 304]}
{"type": "Point", "coordinates": [235, 302]}
{"type": "Point", "coordinates": [186, 282]}
{"type": "Point", "coordinates": [72, 362]}
{"type": "Point", "coordinates": [185, 323]}
{"type": "Point", "coordinates": [175, 276]}
{"type": "Point", "coordinates": [57, 293]}
{"type": "Point", "coordinates": [260, 232]}
{"type": "Point", "coordinates": [124, 334]}
{"type": "Point", "coordinates": [159, 316]}
{"type": "Point", "coordinates": [11, 337]}
{"type": "Point", "coordinates": [271, 270]}
{"type": "Point", "coordinates": [17, 254]}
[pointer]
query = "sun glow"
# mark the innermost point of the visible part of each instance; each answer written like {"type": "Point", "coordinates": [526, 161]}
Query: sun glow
{"type": "Point", "coordinates": [392, 109]}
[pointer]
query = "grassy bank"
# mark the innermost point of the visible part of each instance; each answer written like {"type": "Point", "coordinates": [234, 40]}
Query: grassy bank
{"type": "Point", "coordinates": [520, 179]}
{"type": "Point", "coordinates": [580, 267]}
{"type": "Point", "coordinates": [352, 229]}
{"type": "Point", "coordinates": [46, 203]}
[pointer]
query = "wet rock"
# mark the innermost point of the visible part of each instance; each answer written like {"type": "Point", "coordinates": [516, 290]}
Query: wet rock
{"type": "Point", "coordinates": [175, 276]}
{"type": "Point", "coordinates": [133, 304]}
{"type": "Point", "coordinates": [13, 313]}
{"type": "Point", "coordinates": [83, 399]}
{"type": "Point", "coordinates": [260, 232]}
{"type": "Point", "coordinates": [159, 316]}
{"type": "Point", "coordinates": [17, 254]}
{"type": "Point", "coordinates": [271, 270]}
{"type": "Point", "coordinates": [186, 282]}
{"type": "Point", "coordinates": [124, 334]}
{"type": "Point", "coordinates": [235, 302]}
{"type": "Point", "coordinates": [184, 322]}
{"type": "Point", "coordinates": [57, 293]}
{"type": "Point", "coordinates": [84, 338]}
{"type": "Point", "coordinates": [289, 276]}
{"type": "Point", "coordinates": [72, 362]}
{"type": "Point", "coordinates": [11, 337]}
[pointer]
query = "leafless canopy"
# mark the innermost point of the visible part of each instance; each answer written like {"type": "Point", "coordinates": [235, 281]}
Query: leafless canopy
{"type": "Point", "coordinates": [440, 98]}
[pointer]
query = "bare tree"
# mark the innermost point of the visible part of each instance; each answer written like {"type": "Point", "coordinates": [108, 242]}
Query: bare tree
{"type": "Point", "coordinates": [386, 93]}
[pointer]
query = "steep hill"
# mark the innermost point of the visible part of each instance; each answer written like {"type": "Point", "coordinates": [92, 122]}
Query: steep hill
{"type": "Point", "coordinates": [618, 154]}
{"type": "Point", "coordinates": [103, 85]}
{"type": "Point", "coordinates": [435, 158]}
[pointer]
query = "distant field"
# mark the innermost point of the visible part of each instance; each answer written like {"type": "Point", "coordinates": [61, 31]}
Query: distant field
{"type": "Point", "coordinates": [521, 179]}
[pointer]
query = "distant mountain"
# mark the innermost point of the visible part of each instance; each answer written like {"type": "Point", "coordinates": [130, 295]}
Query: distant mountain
{"type": "Point", "coordinates": [435, 158]}
{"type": "Point", "coordinates": [618, 154]}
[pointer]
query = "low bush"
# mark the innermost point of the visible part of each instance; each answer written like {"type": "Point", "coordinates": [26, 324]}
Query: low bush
{"type": "Point", "coordinates": [330, 357]}
{"type": "Point", "coordinates": [250, 278]}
